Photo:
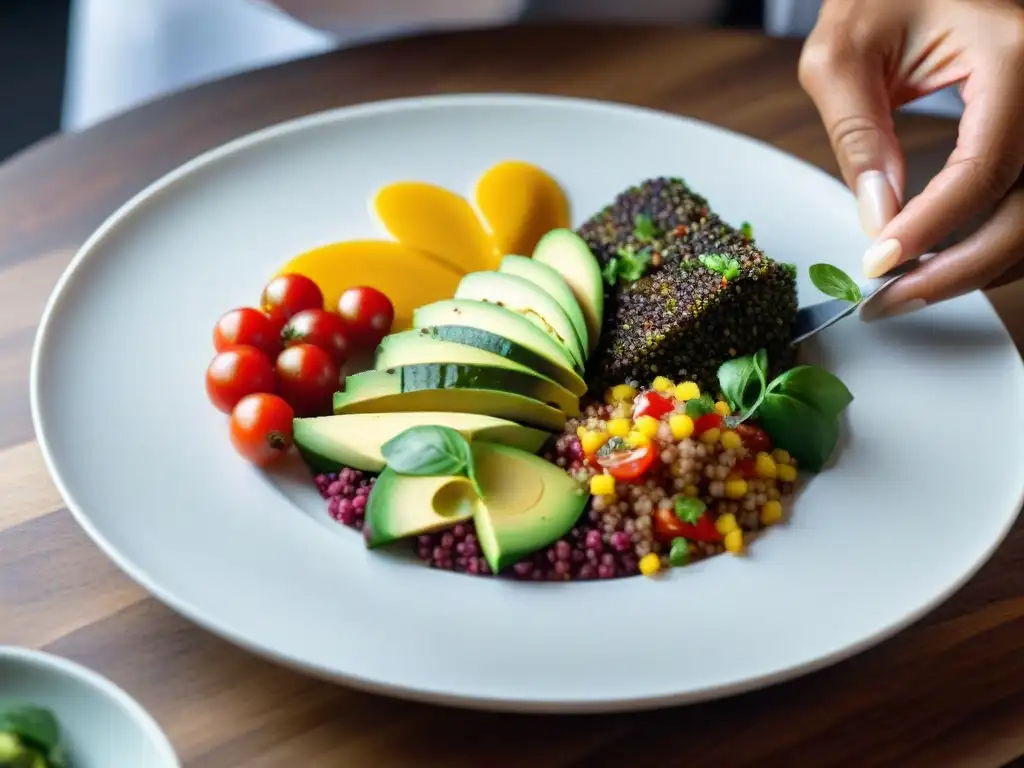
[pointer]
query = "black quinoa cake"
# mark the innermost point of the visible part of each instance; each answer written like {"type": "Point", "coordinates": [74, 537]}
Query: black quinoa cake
{"type": "Point", "coordinates": [707, 293]}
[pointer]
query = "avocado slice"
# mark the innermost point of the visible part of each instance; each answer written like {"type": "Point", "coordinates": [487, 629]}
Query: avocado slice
{"type": "Point", "coordinates": [522, 296]}
{"type": "Point", "coordinates": [567, 253]}
{"type": "Point", "coordinates": [551, 282]}
{"type": "Point", "coordinates": [431, 376]}
{"type": "Point", "coordinates": [354, 440]}
{"type": "Point", "coordinates": [529, 503]}
{"type": "Point", "coordinates": [405, 505]}
{"type": "Point", "coordinates": [487, 402]}
{"type": "Point", "coordinates": [496, 320]}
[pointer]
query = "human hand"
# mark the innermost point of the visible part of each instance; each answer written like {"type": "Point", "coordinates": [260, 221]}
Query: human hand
{"type": "Point", "coordinates": [867, 57]}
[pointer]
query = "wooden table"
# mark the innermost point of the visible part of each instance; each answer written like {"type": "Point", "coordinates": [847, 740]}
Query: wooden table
{"type": "Point", "coordinates": [949, 691]}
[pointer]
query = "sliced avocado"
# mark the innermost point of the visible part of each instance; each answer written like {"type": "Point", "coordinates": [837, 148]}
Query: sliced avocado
{"type": "Point", "coordinates": [551, 282]}
{"type": "Point", "coordinates": [405, 505]}
{"type": "Point", "coordinates": [525, 298]}
{"type": "Point", "coordinates": [432, 376]}
{"type": "Point", "coordinates": [497, 320]}
{"type": "Point", "coordinates": [355, 439]}
{"type": "Point", "coordinates": [415, 347]}
{"type": "Point", "coordinates": [567, 253]}
{"type": "Point", "coordinates": [488, 402]}
{"type": "Point", "coordinates": [529, 503]}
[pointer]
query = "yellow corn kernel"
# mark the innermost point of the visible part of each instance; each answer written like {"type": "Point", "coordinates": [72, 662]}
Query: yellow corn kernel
{"type": "Point", "coordinates": [646, 425]}
{"type": "Point", "coordinates": [787, 473]}
{"type": "Point", "coordinates": [602, 485]}
{"type": "Point", "coordinates": [690, 490]}
{"type": "Point", "coordinates": [726, 523]}
{"type": "Point", "coordinates": [622, 393]}
{"type": "Point", "coordinates": [710, 435]}
{"type": "Point", "coordinates": [650, 564]}
{"type": "Point", "coordinates": [734, 541]}
{"type": "Point", "coordinates": [580, 430]}
{"type": "Point", "coordinates": [780, 456]}
{"type": "Point", "coordinates": [637, 439]}
{"type": "Point", "coordinates": [722, 408]}
{"type": "Point", "coordinates": [731, 440]}
{"type": "Point", "coordinates": [592, 440]}
{"type": "Point", "coordinates": [687, 391]}
{"type": "Point", "coordinates": [765, 466]}
{"type": "Point", "coordinates": [618, 427]}
{"type": "Point", "coordinates": [771, 512]}
{"type": "Point", "coordinates": [662, 384]}
{"type": "Point", "coordinates": [735, 488]}
{"type": "Point", "coordinates": [681, 425]}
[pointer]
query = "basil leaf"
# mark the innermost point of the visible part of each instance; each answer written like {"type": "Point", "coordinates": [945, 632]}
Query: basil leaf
{"type": "Point", "coordinates": [426, 450]}
{"type": "Point", "coordinates": [700, 406]}
{"type": "Point", "coordinates": [689, 509]}
{"type": "Point", "coordinates": [679, 552]}
{"type": "Point", "coordinates": [35, 726]}
{"type": "Point", "coordinates": [736, 377]}
{"type": "Point", "coordinates": [832, 281]}
{"type": "Point", "coordinates": [814, 386]}
{"type": "Point", "coordinates": [803, 430]}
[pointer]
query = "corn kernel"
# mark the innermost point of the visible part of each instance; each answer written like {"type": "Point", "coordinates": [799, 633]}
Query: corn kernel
{"type": "Point", "coordinates": [681, 425]}
{"type": "Point", "coordinates": [731, 441]}
{"type": "Point", "coordinates": [591, 441]}
{"type": "Point", "coordinates": [771, 512]}
{"type": "Point", "coordinates": [734, 541]}
{"type": "Point", "coordinates": [690, 490]}
{"type": "Point", "coordinates": [787, 473]}
{"type": "Point", "coordinates": [580, 430]}
{"type": "Point", "coordinates": [637, 439]}
{"type": "Point", "coordinates": [722, 408]}
{"type": "Point", "coordinates": [621, 393]}
{"type": "Point", "coordinates": [764, 466]}
{"type": "Point", "coordinates": [618, 427]}
{"type": "Point", "coordinates": [650, 564]}
{"type": "Point", "coordinates": [710, 435]}
{"type": "Point", "coordinates": [726, 523]}
{"type": "Point", "coordinates": [687, 391]}
{"type": "Point", "coordinates": [646, 425]}
{"type": "Point", "coordinates": [602, 485]}
{"type": "Point", "coordinates": [662, 384]}
{"type": "Point", "coordinates": [735, 488]}
{"type": "Point", "coordinates": [780, 456]}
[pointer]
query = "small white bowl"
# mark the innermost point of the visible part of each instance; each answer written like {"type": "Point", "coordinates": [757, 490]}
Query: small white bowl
{"type": "Point", "coordinates": [102, 726]}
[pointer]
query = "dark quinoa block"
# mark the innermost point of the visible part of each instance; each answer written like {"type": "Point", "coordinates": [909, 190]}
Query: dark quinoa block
{"type": "Point", "coordinates": [682, 319]}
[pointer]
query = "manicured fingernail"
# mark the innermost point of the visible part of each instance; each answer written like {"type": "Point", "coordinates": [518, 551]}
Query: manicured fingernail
{"type": "Point", "coordinates": [881, 257]}
{"type": "Point", "coordinates": [876, 201]}
{"type": "Point", "coordinates": [877, 310]}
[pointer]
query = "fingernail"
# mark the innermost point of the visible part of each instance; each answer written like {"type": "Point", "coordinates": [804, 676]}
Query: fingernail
{"type": "Point", "coordinates": [876, 201]}
{"type": "Point", "coordinates": [877, 310]}
{"type": "Point", "coordinates": [881, 257]}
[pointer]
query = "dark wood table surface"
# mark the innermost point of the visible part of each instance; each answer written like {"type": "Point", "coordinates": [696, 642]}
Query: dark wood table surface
{"type": "Point", "coordinates": [949, 691]}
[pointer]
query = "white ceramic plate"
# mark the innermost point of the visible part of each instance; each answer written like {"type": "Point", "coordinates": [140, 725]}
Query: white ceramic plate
{"type": "Point", "coordinates": [920, 498]}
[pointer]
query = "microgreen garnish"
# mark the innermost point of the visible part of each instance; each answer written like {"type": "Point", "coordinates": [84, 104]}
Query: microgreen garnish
{"type": "Point", "coordinates": [645, 229]}
{"type": "Point", "coordinates": [832, 281]}
{"type": "Point", "coordinates": [700, 406]}
{"type": "Point", "coordinates": [30, 735]}
{"type": "Point", "coordinates": [430, 450]}
{"type": "Point", "coordinates": [689, 509]}
{"type": "Point", "coordinates": [728, 268]}
{"type": "Point", "coordinates": [627, 264]}
{"type": "Point", "coordinates": [614, 445]}
{"type": "Point", "coordinates": [747, 230]}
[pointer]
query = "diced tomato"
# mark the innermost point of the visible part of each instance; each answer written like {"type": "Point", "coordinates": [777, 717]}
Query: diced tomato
{"type": "Point", "coordinates": [629, 465]}
{"type": "Point", "coordinates": [746, 468]}
{"type": "Point", "coordinates": [706, 422]}
{"type": "Point", "coordinates": [651, 404]}
{"type": "Point", "coordinates": [754, 438]}
{"type": "Point", "coordinates": [668, 526]}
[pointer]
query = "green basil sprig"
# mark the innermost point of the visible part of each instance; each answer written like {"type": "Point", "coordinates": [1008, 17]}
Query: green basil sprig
{"type": "Point", "coordinates": [700, 406]}
{"type": "Point", "coordinates": [832, 281]}
{"type": "Point", "coordinates": [743, 382]}
{"type": "Point", "coordinates": [689, 509]}
{"type": "Point", "coordinates": [430, 450]}
{"type": "Point", "coordinates": [30, 735]}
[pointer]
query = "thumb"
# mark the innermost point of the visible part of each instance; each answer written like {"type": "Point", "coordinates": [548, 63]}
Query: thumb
{"type": "Point", "coordinates": [847, 85]}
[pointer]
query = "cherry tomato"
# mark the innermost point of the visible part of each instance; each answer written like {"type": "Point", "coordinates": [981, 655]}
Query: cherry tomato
{"type": "Point", "coordinates": [307, 378]}
{"type": "Point", "coordinates": [246, 326]}
{"type": "Point", "coordinates": [288, 295]}
{"type": "Point", "coordinates": [652, 404]}
{"type": "Point", "coordinates": [629, 465]}
{"type": "Point", "coordinates": [746, 468]}
{"type": "Point", "coordinates": [368, 314]}
{"type": "Point", "coordinates": [261, 428]}
{"type": "Point", "coordinates": [706, 422]}
{"type": "Point", "coordinates": [319, 328]}
{"type": "Point", "coordinates": [236, 372]}
{"type": "Point", "coordinates": [668, 526]}
{"type": "Point", "coordinates": [754, 438]}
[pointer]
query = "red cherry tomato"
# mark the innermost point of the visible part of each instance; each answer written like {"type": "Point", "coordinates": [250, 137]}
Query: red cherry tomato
{"type": "Point", "coordinates": [652, 404]}
{"type": "Point", "coordinates": [706, 422]}
{"type": "Point", "coordinates": [261, 428]}
{"type": "Point", "coordinates": [754, 438]}
{"type": "Point", "coordinates": [288, 295]}
{"type": "Point", "coordinates": [307, 378]}
{"type": "Point", "coordinates": [319, 328]}
{"type": "Point", "coordinates": [368, 314]}
{"type": "Point", "coordinates": [236, 372]}
{"type": "Point", "coordinates": [629, 465]}
{"type": "Point", "coordinates": [746, 468]}
{"type": "Point", "coordinates": [246, 326]}
{"type": "Point", "coordinates": [668, 526]}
